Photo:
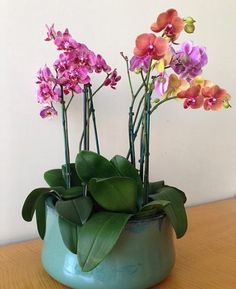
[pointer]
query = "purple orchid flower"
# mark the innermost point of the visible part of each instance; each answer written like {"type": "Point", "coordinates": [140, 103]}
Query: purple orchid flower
{"type": "Point", "coordinates": [140, 62]}
{"type": "Point", "coordinates": [189, 60]}
{"type": "Point", "coordinates": [48, 112]}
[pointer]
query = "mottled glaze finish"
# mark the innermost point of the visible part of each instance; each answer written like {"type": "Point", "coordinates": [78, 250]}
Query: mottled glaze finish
{"type": "Point", "coordinates": [143, 256]}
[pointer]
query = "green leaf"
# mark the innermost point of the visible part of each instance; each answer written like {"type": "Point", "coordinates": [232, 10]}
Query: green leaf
{"type": "Point", "coordinates": [36, 202]}
{"type": "Point", "coordinates": [151, 209]}
{"type": "Point", "coordinates": [54, 178]}
{"type": "Point", "coordinates": [155, 186]}
{"type": "Point", "coordinates": [126, 169]}
{"type": "Point", "coordinates": [75, 181]}
{"type": "Point", "coordinates": [91, 165]}
{"type": "Point", "coordinates": [117, 194]}
{"type": "Point", "coordinates": [69, 234]}
{"type": "Point", "coordinates": [98, 236]}
{"type": "Point", "coordinates": [72, 193]}
{"type": "Point", "coordinates": [175, 210]}
{"type": "Point", "coordinates": [76, 211]}
{"type": "Point", "coordinates": [41, 217]}
{"type": "Point", "coordinates": [33, 198]}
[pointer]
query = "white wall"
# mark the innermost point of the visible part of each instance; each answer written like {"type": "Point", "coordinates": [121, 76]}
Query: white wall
{"type": "Point", "coordinates": [193, 150]}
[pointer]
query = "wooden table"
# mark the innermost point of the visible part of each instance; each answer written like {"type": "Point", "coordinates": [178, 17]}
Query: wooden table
{"type": "Point", "coordinates": [206, 256]}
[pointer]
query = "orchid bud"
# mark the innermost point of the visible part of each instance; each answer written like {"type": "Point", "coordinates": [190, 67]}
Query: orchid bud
{"type": "Point", "coordinates": [189, 20]}
{"type": "Point", "coordinates": [189, 28]}
{"type": "Point", "coordinates": [226, 104]}
{"type": "Point", "coordinates": [189, 24]}
{"type": "Point", "coordinates": [156, 100]}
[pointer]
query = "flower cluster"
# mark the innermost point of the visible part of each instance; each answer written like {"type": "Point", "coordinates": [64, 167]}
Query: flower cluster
{"type": "Point", "coordinates": [72, 71]}
{"type": "Point", "coordinates": [154, 54]}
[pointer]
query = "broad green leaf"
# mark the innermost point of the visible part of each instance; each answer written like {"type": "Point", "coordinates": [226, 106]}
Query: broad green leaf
{"type": "Point", "coordinates": [151, 209]}
{"type": "Point", "coordinates": [126, 169]}
{"type": "Point", "coordinates": [98, 236]}
{"type": "Point", "coordinates": [33, 198]}
{"type": "Point", "coordinates": [41, 217]}
{"type": "Point", "coordinates": [72, 193]}
{"type": "Point", "coordinates": [155, 186]}
{"type": "Point", "coordinates": [91, 165]}
{"type": "Point", "coordinates": [175, 210]}
{"type": "Point", "coordinates": [69, 234]}
{"type": "Point", "coordinates": [75, 181]}
{"type": "Point", "coordinates": [117, 194]}
{"type": "Point", "coordinates": [54, 178]}
{"type": "Point", "coordinates": [76, 211]}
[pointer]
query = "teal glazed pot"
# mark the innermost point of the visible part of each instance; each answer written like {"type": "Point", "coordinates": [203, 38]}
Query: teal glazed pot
{"type": "Point", "coordinates": [143, 256]}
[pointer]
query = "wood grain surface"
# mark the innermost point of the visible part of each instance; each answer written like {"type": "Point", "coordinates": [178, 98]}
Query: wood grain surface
{"type": "Point", "coordinates": [206, 256]}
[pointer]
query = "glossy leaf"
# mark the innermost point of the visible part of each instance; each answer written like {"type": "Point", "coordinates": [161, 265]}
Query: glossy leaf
{"type": "Point", "coordinates": [32, 200]}
{"type": "Point", "coordinates": [91, 165]}
{"type": "Point", "coordinates": [175, 210]}
{"type": "Point", "coordinates": [72, 193]}
{"type": "Point", "coordinates": [126, 169]}
{"type": "Point", "coordinates": [75, 181]}
{"type": "Point", "coordinates": [98, 236]}
{"type": "Point", "coordinates": [41, 217]}
{"type": "Point", "coordinates": [151, 209]}
{"type": "Point", "coordinates": [154, 187]}
{"type": "Point", "coordinates": [69, 234]}
{"type": "Point", "coordinates": [117, 194]}
{"type": "Point", "coordinates": [76, 211]}
{"type": "Point", "coordinates": [54, 178]}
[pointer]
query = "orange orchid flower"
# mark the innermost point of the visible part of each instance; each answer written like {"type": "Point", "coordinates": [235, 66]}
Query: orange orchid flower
{"type": "Point", "coordinates": [170, 22]}
{"type": "Point", "coordinates": [175, 85]}
{"type": "Point", "coordinates": [149, 44]}
{"type": "Point", "coordinates": [193, 97]}
{"type": "Point", "coordinates": [215, 97]}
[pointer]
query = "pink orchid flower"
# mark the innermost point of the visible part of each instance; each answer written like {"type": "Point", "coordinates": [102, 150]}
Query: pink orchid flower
{"type": "Point", "coordinates": [101, 65]}
{"type": "Point", "coordinates": [161, 84]}
{"type": "Point", "coordinates": [46, 93]}
{"type": "Point", "coordinates": [64, 41]}
{"type": "Point", "coordinates": [112, 79]}
{"type": "Point", "coordinates": [48, 112]}
{"type": "Point", "coordinates": [45, 74]}
{"type": "Point", "coordinates": [51, 33]}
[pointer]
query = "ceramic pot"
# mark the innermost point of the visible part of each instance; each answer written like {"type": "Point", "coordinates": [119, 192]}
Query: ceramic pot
{"type": "Point", "coordinates": [143, 256]}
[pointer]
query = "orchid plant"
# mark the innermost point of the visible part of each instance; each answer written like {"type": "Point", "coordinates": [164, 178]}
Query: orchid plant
{"type": "Point", "coordinates": [95, 197]}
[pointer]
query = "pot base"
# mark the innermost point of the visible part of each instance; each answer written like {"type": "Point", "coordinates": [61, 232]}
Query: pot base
{"type": "Point", "coordinates": [143, 256]}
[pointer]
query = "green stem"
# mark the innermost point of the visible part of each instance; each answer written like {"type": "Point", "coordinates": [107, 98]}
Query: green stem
{"type": "Point", "coordinates": [131, 137]}
{"type": "Point", "coordinates": [135, 132]}
{"type": "Point", "coordinates": [92, 111]}
{"type": "Point", "coordinates": [101, 86]}
{"type": "Point", "coordinates": [138, 109]}
{"type": "Point", "coordinates": [86, 119]}
{"type": "Point", "coordinates": [128, 73]}
{"type": "Point", "coordinates": [141, 160]}
{"type": "Point", "coordinates": [147, 146]}
{"type": "Point", "coordinates": [66, 141]}
{"type": "Point", "coordinates": [161, 102]}
{"type": "Point", "coordinates": [72, 96]}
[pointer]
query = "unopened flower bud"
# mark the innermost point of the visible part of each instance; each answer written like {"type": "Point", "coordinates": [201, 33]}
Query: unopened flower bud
{"type": "Point", "coordinates": [226, 104]}
{"type": "Point", "coordinates": [189, 20]}
{"type": "Point", "coordinates": [151, 86]}
{"type": "Point", "coordinates": [189, 28]}
{"type": "Point", "coordinates": [138, 70]}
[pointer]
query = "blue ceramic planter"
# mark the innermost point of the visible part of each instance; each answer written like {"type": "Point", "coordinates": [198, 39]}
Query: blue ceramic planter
{"type": "Point", "coordinates": [143, 256]}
